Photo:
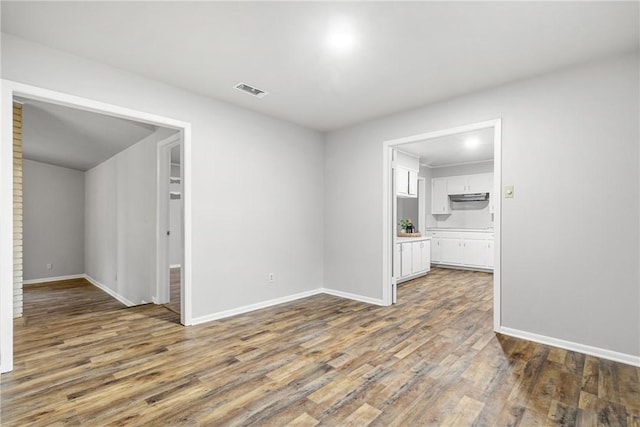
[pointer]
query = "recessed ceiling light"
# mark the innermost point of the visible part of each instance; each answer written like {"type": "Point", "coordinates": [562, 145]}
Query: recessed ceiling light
{"type": "Point", "coordinates": [340, 38]}
{"type": "Point", "coordinates": [258, 93]}
{"type": "Point", "coordinates": [471, 142]}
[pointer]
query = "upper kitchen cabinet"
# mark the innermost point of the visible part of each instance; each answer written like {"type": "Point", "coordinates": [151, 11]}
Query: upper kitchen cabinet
{"type": "Point", "coordinates": [406, 168]}
{"type": "Point", "coordinates": [440, 196]}
{"type": "Point", "coordinates": [470, 184]}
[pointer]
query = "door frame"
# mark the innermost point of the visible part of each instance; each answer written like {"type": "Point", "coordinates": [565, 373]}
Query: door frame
{"type": "Point", "coordinates": [388, 214]}
{"type": "Point", "coordinates": [163, 284]}
{"type": "Point", "coordinates": [9, 89]}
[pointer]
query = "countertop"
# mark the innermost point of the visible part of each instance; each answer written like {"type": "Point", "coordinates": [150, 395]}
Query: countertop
{"type": "Point", "coordinates": [411, 239]}
{"type": "Point", "coordinates": [475, 230]}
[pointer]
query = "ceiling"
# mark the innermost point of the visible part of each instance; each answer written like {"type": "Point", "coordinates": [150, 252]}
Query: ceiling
{"type": "Point", "coordinates": [73, 138]}
{"type": "Point", "coordinates": [461, 148]}
{"type": "Point", "coordinates": [403, 55]}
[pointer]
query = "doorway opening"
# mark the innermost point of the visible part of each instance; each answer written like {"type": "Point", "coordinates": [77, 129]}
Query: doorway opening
{"type": "Point", "coordinates": [12, 91]}
{"type": "Point", "coordinates": [441, 200]}
{"type": "Point", "coordinates": [170, 225]}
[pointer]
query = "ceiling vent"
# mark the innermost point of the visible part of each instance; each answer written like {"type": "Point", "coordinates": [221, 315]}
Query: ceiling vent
{"type": "Point", "coordinates": [258, 93]}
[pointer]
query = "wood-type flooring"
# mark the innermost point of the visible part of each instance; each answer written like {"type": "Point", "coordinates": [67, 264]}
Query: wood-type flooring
{"type": "Point", "coordinates": [83, 359]}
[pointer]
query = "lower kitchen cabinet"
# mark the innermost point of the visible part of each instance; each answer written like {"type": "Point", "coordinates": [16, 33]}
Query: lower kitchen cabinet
{"type": "Point", "coordinates": [412, 259]}
{"type": "Point", "coordinates": [469, 249]}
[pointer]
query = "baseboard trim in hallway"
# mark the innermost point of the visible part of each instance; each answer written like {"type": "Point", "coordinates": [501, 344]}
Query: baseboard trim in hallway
{"type": "Point", "coordinates": [615, 356]}
{"type": "Point", "coordinates": [111, 292]}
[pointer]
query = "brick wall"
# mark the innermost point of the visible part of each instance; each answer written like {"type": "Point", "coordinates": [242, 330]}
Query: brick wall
{"type": "Point", "coordinates": [17, 210]}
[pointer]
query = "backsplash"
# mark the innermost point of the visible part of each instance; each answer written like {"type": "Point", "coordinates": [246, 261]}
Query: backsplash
{"type": "Point", "coordinates": [466, 215]}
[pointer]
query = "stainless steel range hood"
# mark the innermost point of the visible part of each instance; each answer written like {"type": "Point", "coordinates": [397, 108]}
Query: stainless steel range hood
{"type": "Point", "coordinates": [476, 197]}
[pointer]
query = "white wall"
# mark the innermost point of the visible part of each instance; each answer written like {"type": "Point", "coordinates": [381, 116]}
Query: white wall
{"type": "Point", "coordinates": [570, 236]}
{"type": "Point", "coordinates": [465, 214]}
{"type": "Point", "coordinates": [248, 170]}
{"type": "Point", "coordinates": [121, 220]}
{"type": "Point", "coordinates": [53, 220]}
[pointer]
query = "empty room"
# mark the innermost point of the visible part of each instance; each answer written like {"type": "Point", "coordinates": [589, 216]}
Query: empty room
{"type": "Point", "coordinates": [320, 213]}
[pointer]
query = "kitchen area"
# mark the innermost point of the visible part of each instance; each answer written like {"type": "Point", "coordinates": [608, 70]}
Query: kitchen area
{"type": "Point", "coordinates": [444, 205]}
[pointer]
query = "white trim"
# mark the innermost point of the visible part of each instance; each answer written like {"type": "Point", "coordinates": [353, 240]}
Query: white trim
{"type": "Point", "coordinates": [253, 307]}
{"type": "Point", "coordinates": [354, 297]}
{"type": "Point", "coordinates": [387, 211]}
{"type": "Point", "coordinates": [53, 279]}
{"type": "Point", "coordinates": [175, 265]}
{"type": "Point", "coordinates": [111, 292]}
{"type": "Point", "coordinates": [9, 89]}
{"type": "Point", "coordinates": [628, 359]}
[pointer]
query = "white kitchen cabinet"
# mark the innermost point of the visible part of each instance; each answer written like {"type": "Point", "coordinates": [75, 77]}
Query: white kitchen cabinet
{"type": "Point", "coordinates": [490, 254]}
{"type": "Point", "coordinates": [451, 251]}
{"type": "Point", "coordinates": [457, 184]}
{"type": "Point", "coordinates": [469, 184]}
{"type": "Point", "coordinates": [435, 248]}
{"type": "Point", "coordinates": [412, 259]}
{"type": "Point", "coordinates": [406, 182]}
{"type": "Point", "coordinates": [406, 260]}
{"type": "Point", "coordinates": [462, 248]}
{"type": "Point", "coordinates": [440, 197]}
{"type": "Point", "coordinates": [420, 256]}
{"type": "Point", "coordinates": [474, 252]}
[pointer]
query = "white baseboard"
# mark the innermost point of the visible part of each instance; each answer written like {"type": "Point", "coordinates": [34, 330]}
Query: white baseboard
{"type": "Point", "coordinates": [351, 296]}
{"type": "Point", "coordinates": [628, 359]}
{"type": "Point", "coordinates": [252, 307]}
{"type": "Point", "coordinates": [109, 291]}
{"type": "Point", "coordinates": [52, 279]}
{"type": "Point", "coordinates": [175, 266]}
{"type": "Point", "coordinates": [281, 300]}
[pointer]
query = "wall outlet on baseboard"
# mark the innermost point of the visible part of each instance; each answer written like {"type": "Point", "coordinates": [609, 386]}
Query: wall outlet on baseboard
{"type": "Point", "coordinates": [49, 266]}
{"type": "Point", "coordinates": [272, 277]}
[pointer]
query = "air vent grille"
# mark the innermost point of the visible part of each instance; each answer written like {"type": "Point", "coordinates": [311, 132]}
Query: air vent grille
{"type": "Point", "coordinates": [258, 93]}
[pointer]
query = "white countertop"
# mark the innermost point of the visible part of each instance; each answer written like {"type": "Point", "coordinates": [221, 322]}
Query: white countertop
{"type": "Point", "coordinates": [475, 230]}
{"type": "Point", "coordinates": [411, 239]}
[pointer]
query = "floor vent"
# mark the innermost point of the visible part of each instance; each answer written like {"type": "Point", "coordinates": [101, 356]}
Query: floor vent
{"type": "Point", "coordinates": [259, 93]}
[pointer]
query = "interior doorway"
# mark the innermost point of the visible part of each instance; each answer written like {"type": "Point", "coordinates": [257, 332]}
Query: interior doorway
{"type": "Point", "coordinates": [447, 186]}
{"type": "Point", "coordinates": [171, 224]}
{"type": "Point", "coordinates": [12, 90]}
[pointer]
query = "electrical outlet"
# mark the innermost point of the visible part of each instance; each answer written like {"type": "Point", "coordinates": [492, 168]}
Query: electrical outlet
{"type": "Point", "coordinates": [272, 277]}
{"type": "Point", "coordinates": [49, 266]}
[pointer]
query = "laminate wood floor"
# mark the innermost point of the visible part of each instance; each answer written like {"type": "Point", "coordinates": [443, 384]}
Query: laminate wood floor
{"type": "Point", "coordinates": [84, 359]}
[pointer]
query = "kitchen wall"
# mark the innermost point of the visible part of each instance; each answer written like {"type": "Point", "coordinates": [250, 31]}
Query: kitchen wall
{"type": "Point", "coordinates": [250, 172]}
{"type": "Point", "coordinates": [53, 220]}
{"type": "Point", "coordinates": [564, 276]}
{"type": "Point", "coordinates": [465, 214]}
{"type": "Point", "coordinates": [121, 220]}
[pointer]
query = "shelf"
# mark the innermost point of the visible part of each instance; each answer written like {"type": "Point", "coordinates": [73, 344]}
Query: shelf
{"type": "Point", "coordinates": [174, 179]}
{"type": "Point", "coordinates": [174, 195]}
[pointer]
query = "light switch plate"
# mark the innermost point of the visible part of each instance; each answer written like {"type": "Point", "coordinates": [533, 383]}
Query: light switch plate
{"type": "Point", "coordinates": [508, 191]}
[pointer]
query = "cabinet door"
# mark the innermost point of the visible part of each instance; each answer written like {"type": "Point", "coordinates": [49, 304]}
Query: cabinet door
{"type": "Point", "coordinates": [416, 255]}
{"type": "Point", "coordinates": [405, 259]}
{"type": "Point", "coordinates": [480, 183]}
{"type": "Point", "coordinates": [425, 255]}
{"type": "Point", "coordinates": [435, 249]}
{"type": "Point", "coordinates": [490, 253]}
{"type": "Point", "coordinates": [451, 250]}
{"type": "Point", "coordinates": [402, 181]}
{"type": "Point", "coordinates": [457, 184]}
{"type": "Point", "coordinates": [413, 184]}
{"type": "Point", "coordinates": [439, 197]}
{"type": "Point", "coordinates": [474, 252]}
